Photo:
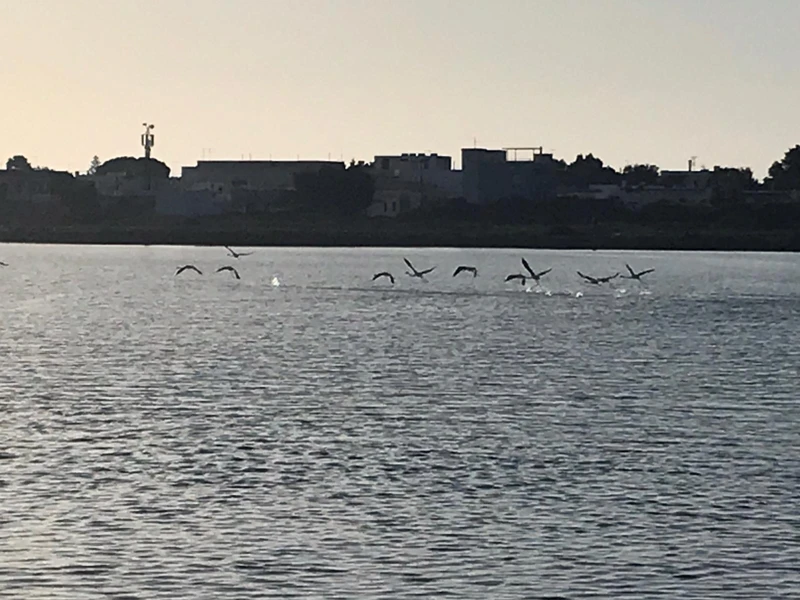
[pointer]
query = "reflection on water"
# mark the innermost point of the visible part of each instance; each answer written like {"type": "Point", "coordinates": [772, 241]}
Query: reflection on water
{"type": "Point", "coordinates": [204, 437]}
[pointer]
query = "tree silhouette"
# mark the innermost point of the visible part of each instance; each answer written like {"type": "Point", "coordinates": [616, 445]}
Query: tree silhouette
{"type": "Point", "coordinates": [135, 167]}
{"type": "Point", "coordinates": [635, 175]}
{"type": "Point", "coordinates": [18, 163]}
{"type": "Point", "coordinates": [785, 174]}
{"type": "Point", "coordinates": [586, 170]}
{"type": "Point", "coordinates": [730, 183]}
{"type": "Point", "coordinates": [95, 164]}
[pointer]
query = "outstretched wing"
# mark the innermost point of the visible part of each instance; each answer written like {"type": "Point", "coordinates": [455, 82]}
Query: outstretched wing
{"type": "Point", "coordinates": [646, 271]}
{"type": "Point", "coordinates": [586, 277]}
{"type": "Point", "coordinates": [410, 266]}
{"type": "Point", "coordinates": [193, 268]}
{"type": "Point", "coordinates": [458, 270]}
{"type": "Point", "coordinates": [528, 268]}
{"type": "Point", "coordinates": [631, 271]}
{"type": "Point", "coordinates": [235, 272]}
{"type": "Point", "coordinates": [545, 272]}
{"type": "Point", "coordinates": [426, 271]}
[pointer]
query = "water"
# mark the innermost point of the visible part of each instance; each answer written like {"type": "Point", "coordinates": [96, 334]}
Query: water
{"type": "Point", "coordinates": [305, 432]}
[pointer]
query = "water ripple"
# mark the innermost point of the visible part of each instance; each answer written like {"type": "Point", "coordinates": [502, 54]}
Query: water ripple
{"type": "Point", "coordinates": [207, 438]}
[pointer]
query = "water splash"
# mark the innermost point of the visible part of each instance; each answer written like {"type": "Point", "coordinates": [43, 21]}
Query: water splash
{"type": "Point", "coordinates": [275, 282]}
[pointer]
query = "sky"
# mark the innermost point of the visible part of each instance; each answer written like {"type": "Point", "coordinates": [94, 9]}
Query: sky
{"type": "Point", "coordinates": [631, 81]}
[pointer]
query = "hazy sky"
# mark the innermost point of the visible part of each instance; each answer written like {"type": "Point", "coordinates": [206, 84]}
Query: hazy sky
{"type": "Point", "coordinates": [628, 80]}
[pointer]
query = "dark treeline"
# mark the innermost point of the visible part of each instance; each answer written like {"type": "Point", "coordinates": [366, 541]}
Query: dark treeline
{"type": "Point", "coordinates": [329, 206]}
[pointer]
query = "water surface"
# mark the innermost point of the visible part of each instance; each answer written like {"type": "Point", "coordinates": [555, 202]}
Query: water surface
{"type": "Point", "coordinates": [206, 437]}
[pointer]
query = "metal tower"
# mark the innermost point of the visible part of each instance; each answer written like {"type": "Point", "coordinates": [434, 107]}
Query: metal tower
{"type": "Point", "coordinates": [148, 139]}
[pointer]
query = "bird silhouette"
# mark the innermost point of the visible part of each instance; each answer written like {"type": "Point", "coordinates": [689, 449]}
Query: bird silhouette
{"type": "Point", "coordinates": [189, 268]}
{"type": "Point", "coordinates": [231, 269]}
{"type": "Point", "coordinates": [522, 278]}
{"type": "Point", "coordinates": [463, 269]}
{"type": "Point", "coordinates": [383, 274]}
{"type": "Point", "coordinates": [634, 274]}
{"type": "Point", "coordinates": [415, 273]}
{"type": "Point", "coordinates": [234, 254]}
{"type": "Point", "coordinates": [598, 280]}
{"type": "Point", "coordinates": [535, 276]}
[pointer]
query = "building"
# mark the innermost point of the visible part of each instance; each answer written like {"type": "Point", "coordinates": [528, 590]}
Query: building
{"type": "Point", "coordinates": [686, 188]}
{"type": "Point", "coordinates": [409, 182]}
{"type": "Point", "coordinates": [687, 180]}
{"type": "Point", "coordinates": [255, 175]}
{"type": "Point", "coordinates": [174, 201]}
{"type": "Point", "coordinates": [251, 185]}
{"type": "Point", "coordinates": [27, 192]}
{"type": "Point", "coordinates": [489, 176]}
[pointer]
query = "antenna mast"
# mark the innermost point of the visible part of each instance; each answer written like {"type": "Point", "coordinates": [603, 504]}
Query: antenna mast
{"type": "Point", "coordinates": [148, 139]}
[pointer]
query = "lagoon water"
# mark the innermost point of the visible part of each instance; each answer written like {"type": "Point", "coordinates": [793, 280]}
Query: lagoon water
{"type": "Point", "coordinates": [331, 437]}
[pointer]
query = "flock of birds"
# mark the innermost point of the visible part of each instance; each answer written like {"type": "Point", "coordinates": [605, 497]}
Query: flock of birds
{"type": "Point", "coordinates": [523, 278]}
{"type": "Point", "coordinates": [231, 252]}
{"type": "Point", "coordinates": [529, 274]}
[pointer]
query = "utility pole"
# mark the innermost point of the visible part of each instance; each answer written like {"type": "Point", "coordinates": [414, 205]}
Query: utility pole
{"type": "Point", "coordinates": [148, 139]}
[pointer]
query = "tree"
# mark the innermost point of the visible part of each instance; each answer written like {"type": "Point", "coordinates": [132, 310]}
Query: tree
{"type": "Point", "coordinates": [729, 183]}
{"type": "Point", "coordinates": [95, 164]}
{"type": "Point", "coordinates": [18, 163]}
{"type": "Point", "coordinates": [135, 167]}
{"type": "Point", "coordinates": [785, 174]}
{"type": "Point", "coordinates": [586, 170]}
{"type": "Point", "coordinates": [635, 175]}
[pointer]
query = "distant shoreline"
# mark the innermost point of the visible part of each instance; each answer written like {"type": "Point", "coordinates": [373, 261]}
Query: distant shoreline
{"type": "Point", "coordinates": [408, 235]}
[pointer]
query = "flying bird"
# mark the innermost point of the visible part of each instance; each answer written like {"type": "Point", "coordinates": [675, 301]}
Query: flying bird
{"type": "Point", "coordinates": [383, 274]}
{"type": "Point", "coordinates": [522, 278]}
{"type": "Point", "coordinates": [634, 274]}
{"type": "Point", "coordinates": [598, 280]}
{"type": "Point", "coordinates": [463, 269]}
{"type": "Point", "coordinates": [535, 276]}
{"type": "Point", "coordinates": [234, 254]}
{"type": "Point", "coordinates": [231, 269]}
{"type": "Point", "coordinates": [188, 267]}
{"type": "Point", "coordinates": [414, 272]}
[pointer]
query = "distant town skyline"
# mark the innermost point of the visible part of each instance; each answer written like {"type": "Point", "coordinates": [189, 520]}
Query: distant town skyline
{"type": "Point", "coordinates": [630, 82]}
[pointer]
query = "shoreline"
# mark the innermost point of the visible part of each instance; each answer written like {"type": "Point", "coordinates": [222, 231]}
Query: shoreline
{"type": "Point", "coordinates": [409, 236]}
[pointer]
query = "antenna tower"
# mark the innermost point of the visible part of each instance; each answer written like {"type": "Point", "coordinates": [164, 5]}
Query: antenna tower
{"type": "Point", "coordinates": [148, 139]}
